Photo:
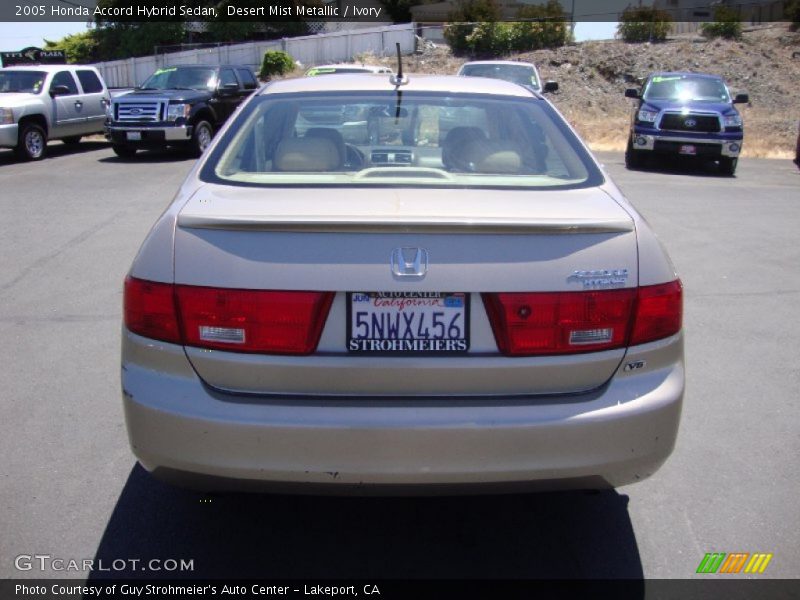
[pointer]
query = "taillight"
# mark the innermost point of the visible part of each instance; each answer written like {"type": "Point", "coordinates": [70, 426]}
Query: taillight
{"type": "Point", "coordinates": [542, 323]}
{"type": "Point", "coordinates": [559, 322]}
{"type": "Point", "coordinates": [659, 312]}
{"type": "Point", "coordinates": [149, 310]}
{"type": "Point", "coordinates": [261, 321]}
{"type": "Point", "coordinates": [252, 320]}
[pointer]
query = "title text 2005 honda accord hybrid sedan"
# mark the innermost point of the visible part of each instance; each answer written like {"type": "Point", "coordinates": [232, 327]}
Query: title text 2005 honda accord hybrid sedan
{"type": "Point", "coordinates": [373, 284]}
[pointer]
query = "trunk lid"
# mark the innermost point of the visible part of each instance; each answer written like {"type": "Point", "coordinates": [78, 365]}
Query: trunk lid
{"type": "Point", "coordinates": [342, 240]}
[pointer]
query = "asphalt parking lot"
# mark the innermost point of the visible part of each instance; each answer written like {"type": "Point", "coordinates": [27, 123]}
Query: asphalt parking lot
{"type": "Point", "coordinates": [70, 227]}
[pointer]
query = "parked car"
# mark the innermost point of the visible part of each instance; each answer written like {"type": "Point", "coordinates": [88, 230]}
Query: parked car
{"type": "Point", "coordinates": [344, 68]}
{"type": "Point", "coordinates": [522, 73]}
{"type": "Point", "coordinates": [39, 103]}
{"type": "Point", "coordinates": [685, 114]}
{"type": "Point", "coordinates": [181, 106]}
{"type": "Point", "coordinates": [415, 301]}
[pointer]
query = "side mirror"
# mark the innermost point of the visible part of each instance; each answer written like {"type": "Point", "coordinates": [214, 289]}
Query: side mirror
{"type": "Point", "coordinates": [632, 93]}
{"type": "Point", "coordinates": [550, 86]}
{"type": "Point", "coordinates": [741, 99]}
{"type": "Point", "coordinates": [59, 90]}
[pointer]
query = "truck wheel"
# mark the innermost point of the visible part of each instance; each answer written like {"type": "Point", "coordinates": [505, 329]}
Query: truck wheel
{"type": "Point", "coordinates": [201, 138]}
{"type": "Point", "coordinates": [124, 151]}
{"type": "Point", "coordinates": [32, 144]}
{"type": "Point", "coordinates": [727, 166]}
{"type": "Point", "coordinates": [633, 159]}
{"type": "Point", "coordinates": [72, 140]}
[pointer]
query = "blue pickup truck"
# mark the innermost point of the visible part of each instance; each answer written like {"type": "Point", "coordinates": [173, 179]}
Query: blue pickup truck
{"type": "Point", "coordinates": [685, 114]}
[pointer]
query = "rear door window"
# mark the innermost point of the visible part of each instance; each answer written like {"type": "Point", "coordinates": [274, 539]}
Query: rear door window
{"type": "Point", "coordinates": [248, 79]}
{"type": "Point", "coordinates": [90, 82]}
{"type": "Point", "coordinates": [65, 78]}
{"type": "Point", "coordinates": [227, 76]}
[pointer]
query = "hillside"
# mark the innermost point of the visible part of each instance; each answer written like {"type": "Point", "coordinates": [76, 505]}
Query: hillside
{"type": "Point", "coordinates": [593, 76]}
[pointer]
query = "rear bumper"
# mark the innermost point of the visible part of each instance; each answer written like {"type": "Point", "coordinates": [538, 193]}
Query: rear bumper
{"type": "Point", "coordinates": [185, 432]}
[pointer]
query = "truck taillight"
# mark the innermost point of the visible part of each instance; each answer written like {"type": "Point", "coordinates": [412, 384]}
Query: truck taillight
{"type": "Point", "coordinates": [542, 323]}
{"type": "Point", "coordinates": [235, 320]}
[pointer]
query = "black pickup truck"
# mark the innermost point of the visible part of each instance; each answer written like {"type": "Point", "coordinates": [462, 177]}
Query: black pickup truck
{"type": "Point", "coordinates": [177, 106]}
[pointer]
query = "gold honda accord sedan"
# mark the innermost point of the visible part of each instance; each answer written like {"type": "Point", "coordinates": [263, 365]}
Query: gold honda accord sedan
{"type": "Point", "coordinates": [390, 284]}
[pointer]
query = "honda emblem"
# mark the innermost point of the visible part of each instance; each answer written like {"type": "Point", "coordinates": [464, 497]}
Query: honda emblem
{"type": "Point", "coordinates": [409, 262]}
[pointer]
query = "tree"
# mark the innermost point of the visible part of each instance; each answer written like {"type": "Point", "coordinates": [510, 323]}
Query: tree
{"type": "Point", "coordinates": [77, 47]}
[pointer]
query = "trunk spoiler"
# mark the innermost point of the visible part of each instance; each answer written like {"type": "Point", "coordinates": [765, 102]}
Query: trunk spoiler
{"type": "Point", "coordinates": [359, 224]}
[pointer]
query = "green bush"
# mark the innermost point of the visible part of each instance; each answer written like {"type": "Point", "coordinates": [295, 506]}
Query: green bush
{"type": "Point", "coordinates": [469, 16]}
{"type": "Point", "coordinates": [276, 62]}
{"type": "Point", "coordinates": [644, 24]}
{"type": "Point", "coordinates": [542, 26]}
{"type": "Point", "coordinates": [726, 24]}
{"type": "Point", "coordinates": [479, 33]}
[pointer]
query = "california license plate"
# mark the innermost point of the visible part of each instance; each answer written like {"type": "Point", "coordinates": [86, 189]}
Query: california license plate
{"type": "Point", "coordinates": [688, 149]}
{"type": "Point", "coordinates": [134, 135]}
{"type": "Point", "coordinates": [407, 323]}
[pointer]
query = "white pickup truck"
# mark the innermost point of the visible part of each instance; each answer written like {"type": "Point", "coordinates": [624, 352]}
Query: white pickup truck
{"type": "Point", "coordinates": [39, 103]}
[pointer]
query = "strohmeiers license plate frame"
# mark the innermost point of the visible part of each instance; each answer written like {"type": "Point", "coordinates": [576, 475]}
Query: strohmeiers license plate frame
{"type": "Point", "coordinates": [463, 347]}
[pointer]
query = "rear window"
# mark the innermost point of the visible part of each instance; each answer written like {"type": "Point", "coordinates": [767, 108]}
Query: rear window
{"type": "Point", "coordinates": [520, 74]}
{"type": "Point", "coordinates": [409, 139]}
{"type": "Point", "coordinates": [90, 82]}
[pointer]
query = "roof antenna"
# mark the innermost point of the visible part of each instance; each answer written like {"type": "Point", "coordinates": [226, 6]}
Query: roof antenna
{"type": "Point", "coordinates": [398, 80]}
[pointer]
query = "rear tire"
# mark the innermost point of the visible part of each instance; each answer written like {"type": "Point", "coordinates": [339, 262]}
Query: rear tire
{"type": "Point", "coordinates": [727, 166]}
{"type": "Point", "coordinates": [124, 151]}
{"type": "Point", "coordinates": [633, 159]}
{"type": "Point", "coordinates": [72, 140]}
{"type": "Point", "coordinates": [32, 144]}
{"type": "Point", "coordinates": [201, 138]}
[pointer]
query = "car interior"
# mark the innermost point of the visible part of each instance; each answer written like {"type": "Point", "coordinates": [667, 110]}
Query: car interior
{"type": "Point", "coordinates": [457, 138]}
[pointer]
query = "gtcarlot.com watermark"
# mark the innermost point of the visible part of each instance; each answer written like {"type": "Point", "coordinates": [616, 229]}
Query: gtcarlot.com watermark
{"type": "Point", "coordinates": [47, 562]}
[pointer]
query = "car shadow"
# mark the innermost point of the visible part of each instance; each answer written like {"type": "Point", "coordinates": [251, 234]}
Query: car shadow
{"type": "Point", "coordinates": [159, 155]}
{"type": "Point", "coordinates": [669, 165]}
{"type": "Point", "coordinates": [547, 535]}
{"type": "Point", "coordinates": [56, 149]}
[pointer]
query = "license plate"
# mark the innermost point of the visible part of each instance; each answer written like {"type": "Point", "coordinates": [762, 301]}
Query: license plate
{"type": "Point", "coordinates": [407, 323]}
{"type": "Point", "coordinates": [687, 149]}
{"type": "Point", "coordinates": [134, 135]}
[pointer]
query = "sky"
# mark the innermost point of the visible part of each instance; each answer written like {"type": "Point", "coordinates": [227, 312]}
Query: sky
{"type": "Point", "coordinates": [16, 36]}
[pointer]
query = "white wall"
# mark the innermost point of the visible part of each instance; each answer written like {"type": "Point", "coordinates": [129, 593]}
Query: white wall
{"type": "Point", "coordinates": [309, 50]}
